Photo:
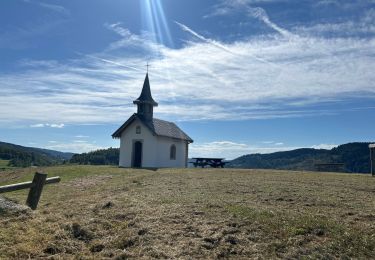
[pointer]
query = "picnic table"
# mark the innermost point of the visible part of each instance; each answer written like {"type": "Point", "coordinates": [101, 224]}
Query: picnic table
{"type": "Point", "coordinates": [213, 162]}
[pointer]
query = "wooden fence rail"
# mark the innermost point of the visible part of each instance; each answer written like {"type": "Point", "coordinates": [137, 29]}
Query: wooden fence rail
{"type": "Point", "coordinates": [36, 187]}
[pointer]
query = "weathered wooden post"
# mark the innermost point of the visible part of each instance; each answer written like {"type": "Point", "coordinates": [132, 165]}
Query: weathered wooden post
{"type": "Point", "coordinates": [372, 158]}
{"type": "Point", "coordinates": [36, 190]}
{"type": "Point", "coordinates": [36, 187]}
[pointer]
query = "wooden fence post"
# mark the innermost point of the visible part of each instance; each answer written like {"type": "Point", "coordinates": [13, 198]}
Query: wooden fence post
{"type": "Point", "coordinates": [372, 158]}
{"type": "Point", "coordinates": [36, 190]}
{"type": "Point", "coordinates": [373, 161]}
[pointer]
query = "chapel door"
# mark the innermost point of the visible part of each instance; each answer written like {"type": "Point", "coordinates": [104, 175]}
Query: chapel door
{"type": "Point", "coordinates": [137, 154]}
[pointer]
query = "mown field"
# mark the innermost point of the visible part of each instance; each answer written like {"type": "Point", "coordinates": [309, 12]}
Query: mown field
{"type": "Point", "coordinates": [107, 212]}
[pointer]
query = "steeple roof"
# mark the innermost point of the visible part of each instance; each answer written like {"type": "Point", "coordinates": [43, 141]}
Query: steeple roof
{"type": "Point", "coordinates": [146, 96]}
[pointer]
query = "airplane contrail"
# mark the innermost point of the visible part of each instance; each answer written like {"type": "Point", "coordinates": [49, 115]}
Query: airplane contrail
{"type": "Point", "coordinates": [219, 45]}
{"type": "Point", "coordinates": [261, 14]}
{"type": "Point", "coordinates": [213, 42]}
{"type": "Point", "coordinates": [120, 64]}
{"type": "Point", "coordinates": [109, 61]}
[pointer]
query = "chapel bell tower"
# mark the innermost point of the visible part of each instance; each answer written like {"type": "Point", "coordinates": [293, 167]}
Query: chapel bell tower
{"type": "Point", "coordinates": [145, 102]}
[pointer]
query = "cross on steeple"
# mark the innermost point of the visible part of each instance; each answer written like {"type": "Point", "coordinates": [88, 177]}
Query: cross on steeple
{"type": "Point", "coordinates": [148, 65]}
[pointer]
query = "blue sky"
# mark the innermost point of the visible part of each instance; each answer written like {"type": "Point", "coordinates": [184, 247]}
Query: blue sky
{"type": "Point", "coordinates": [239, 76]}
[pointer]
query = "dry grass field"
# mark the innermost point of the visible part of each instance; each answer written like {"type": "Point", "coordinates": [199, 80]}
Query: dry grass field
{"type": "Point", "coordinates": [107, 212]}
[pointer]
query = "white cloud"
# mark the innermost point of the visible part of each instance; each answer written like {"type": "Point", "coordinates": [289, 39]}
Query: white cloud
{"type": "Point", "coordinates": [231, 150]}
{"type": "Point", "coordinates": [56, 125]}
{"type": "Point", "coordinates": [195, 34]}
{"type": "Point", "coordinates": [268, 77]}
{"type": "Point", "coordinates": [224, 149]}
{"type": "Point", "coordinates": [273, 143]}
{"type": "Point", "coordinates": [129, 39]}
{"type": "Point", "coordinates": [324, 146]}
{"type": "Point", "coordinates": [342, 4]}
{"type": "Point", "coordinates": [37, 126]}
{"type": "Point", "coordinates": [56, 8]}
{"type": "Point", "coordinates": [264, 150]}
{"type": "Point", "coordinates": [74, 147]}
{"type": "Point", "coordinates": [47, 125]}
{"type": "Point", "coordinates": [261, 14]}
{"type": "Point", "coordinates": [364, 25]}
{"type": "Point", "coordinates": [227, 7]}
{"type": "Point", "coordinates": [81, 136]}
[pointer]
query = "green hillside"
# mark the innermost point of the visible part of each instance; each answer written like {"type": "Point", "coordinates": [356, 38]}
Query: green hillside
{"type": "Point", "coordinates": [355, 157]}
{"type": "Point", "coordinates": [108, 156]}
{"type": "Point", "coordinates": [21, 156]}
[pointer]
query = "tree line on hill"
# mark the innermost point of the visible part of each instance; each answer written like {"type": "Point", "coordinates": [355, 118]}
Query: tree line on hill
{"type": "Point", "coordinates": [108, 156]}
{"type": "Point", "coordinates": [24, 159]}
{"type": "Point", "coordinates": [21, 156]}
{"type": "Point", "coordinates": [354, 156]}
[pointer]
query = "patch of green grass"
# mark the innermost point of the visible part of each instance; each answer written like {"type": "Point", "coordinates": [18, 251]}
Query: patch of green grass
{"type": "Point", "coordinates": [251, 213]}
{"type": "Point", "coordinates": [289, 229]}
{"type": "Point", "coordinates": [4, 164]}
{"type": "Point", "coordinates": [285, 224]}
{"type": "Point", "coordinates": [66, 172]}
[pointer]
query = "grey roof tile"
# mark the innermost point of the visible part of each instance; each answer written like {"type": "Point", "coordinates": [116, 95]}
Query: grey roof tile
{"type": "Point", "coordinates": [158, 127]}
{"type": "Point", "coordinates": [168, 129]}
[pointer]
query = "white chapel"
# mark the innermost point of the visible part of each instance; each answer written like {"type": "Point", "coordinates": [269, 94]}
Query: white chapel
{"type": "Point", "coordinates": [148, 142]}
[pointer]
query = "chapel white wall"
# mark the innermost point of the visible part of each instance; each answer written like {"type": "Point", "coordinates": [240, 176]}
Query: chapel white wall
{"type": "Point", "coordinates": [155, 149]}
{"type": "Point", "coordinates": [163, 155]}
{"type": "Point", "coordinates": [149, 145]}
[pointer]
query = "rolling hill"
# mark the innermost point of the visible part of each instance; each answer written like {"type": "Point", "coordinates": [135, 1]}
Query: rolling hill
{"type": "Point", "coordinates": [21, 156]}
{"type": "Point", "coordinates": [108, 156]}
{"type": "Point", "coordinates": [355, 157]}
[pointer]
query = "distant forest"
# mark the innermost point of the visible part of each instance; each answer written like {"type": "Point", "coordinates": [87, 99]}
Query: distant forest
{"type": "Point", "coordinates": [21, 156]}
{"type": "Point", "coordinates": [354, 156]}
{"type": "Point", "coordinates": [108, 156]}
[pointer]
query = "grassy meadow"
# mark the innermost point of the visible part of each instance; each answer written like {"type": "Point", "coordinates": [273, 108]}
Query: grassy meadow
{"type": "Point", "coordinates": [108, 212]}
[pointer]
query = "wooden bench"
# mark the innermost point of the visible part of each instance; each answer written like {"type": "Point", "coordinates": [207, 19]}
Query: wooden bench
{"type": "Point", "coordinates": [212, 162]}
